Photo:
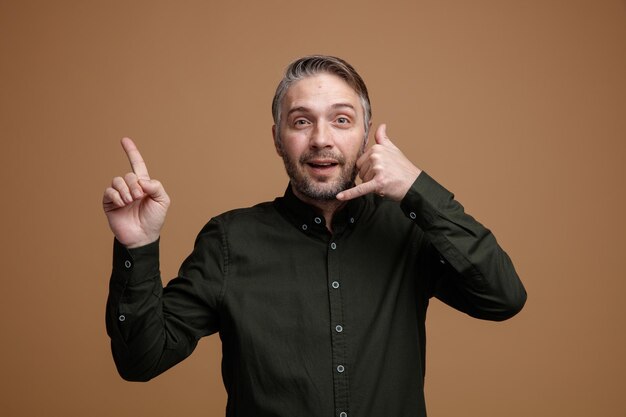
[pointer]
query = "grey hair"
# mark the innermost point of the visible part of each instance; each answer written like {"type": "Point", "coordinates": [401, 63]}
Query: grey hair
{"type": "Point", "coordinates": [317, 64]}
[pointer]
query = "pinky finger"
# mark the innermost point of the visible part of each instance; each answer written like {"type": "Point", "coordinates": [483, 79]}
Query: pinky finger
{"type": "Point", "coordinates": [357, 191]}
{"type": "Point", "coordinates": [112, 199]}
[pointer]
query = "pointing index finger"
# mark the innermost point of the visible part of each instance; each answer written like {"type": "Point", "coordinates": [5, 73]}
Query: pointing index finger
{"type": "Point", "coordinates": [135, 159]}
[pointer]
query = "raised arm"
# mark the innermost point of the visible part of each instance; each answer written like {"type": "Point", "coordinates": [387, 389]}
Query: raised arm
{"type": "Point", "coordinates": [152, 328]}
{"type": "Point", "coordinates": [467, 269]}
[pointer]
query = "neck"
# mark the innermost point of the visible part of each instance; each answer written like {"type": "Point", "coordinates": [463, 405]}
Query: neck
{"type": "Point", "coordinates": [326, 208]}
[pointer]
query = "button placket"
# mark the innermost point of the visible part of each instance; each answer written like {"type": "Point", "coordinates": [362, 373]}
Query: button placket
{"type": "Point", "coordinates": [338, 343]}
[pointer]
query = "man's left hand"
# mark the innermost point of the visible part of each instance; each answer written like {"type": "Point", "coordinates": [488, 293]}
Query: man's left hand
{"type": "Point", "coordinates": [383, 170]}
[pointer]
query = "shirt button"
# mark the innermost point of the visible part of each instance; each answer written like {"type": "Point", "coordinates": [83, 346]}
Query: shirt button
{"type": "Point", "coordinates": [121, 317]}
{"type": "Point", "coordinates": [351, 221]}
{"type": "Point", "coordinates": [339, 328]}
{"type": "Point", "coordinates": [340, 369]}
{"type": "Point", "coordinates": [304, 227]}
{"type": "Point", "coordinates": [442, 260]}
{"type": "Point", "coordinates": [317, 220]}
{"type": "Point", "coordinates": [412, 215]}
{"type": "Point", "coordinates": [333, 246]}
{"type": "Point", "coordinates": [343, 414]}
{"type": "Point", "coordinates": [127, 264]}
{"type": "Point", "coordinates": [335, 284]}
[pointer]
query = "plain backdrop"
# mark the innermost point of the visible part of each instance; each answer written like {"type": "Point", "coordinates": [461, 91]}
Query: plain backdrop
{"type": "Point", "coordinates": [518, 107]}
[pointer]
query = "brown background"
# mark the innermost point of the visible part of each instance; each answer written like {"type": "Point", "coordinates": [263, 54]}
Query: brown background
{"type": "Point", "coordinates": [519, 107]}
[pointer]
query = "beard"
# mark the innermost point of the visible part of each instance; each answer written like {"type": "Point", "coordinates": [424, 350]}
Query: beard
{"type": "Point", "coordinates": [324, 190]}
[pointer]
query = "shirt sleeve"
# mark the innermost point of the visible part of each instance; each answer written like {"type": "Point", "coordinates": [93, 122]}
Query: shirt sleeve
{"type": "Point", "coordinates": [467, 269]}
{"type": "Point", "coordinates": [153, 328]}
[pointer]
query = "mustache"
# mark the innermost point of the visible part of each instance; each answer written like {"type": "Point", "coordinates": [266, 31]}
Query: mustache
{"type": "Point", "coordinates": [323, 154]}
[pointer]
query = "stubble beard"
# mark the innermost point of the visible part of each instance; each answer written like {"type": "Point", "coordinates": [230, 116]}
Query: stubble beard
{"type": "Point", "coordinates": [316, 190]}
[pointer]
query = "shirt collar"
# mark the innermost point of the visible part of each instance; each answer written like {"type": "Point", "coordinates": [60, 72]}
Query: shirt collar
{"type": "Point", "coordinates": [306, 218]}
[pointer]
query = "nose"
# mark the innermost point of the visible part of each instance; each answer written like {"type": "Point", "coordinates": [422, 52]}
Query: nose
{"type": "Point", "coordinates": [321, 136]}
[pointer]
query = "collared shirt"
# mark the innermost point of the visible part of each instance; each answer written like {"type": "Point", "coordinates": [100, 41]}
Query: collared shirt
{"type": "Point", "coordinates": [313, 323]}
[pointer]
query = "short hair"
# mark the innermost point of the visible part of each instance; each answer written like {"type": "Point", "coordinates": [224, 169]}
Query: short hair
{"type": "Point", "coordinates": [318, 64]}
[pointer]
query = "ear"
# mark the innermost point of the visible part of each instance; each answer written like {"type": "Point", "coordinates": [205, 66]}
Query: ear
{"type": "Point", "coordinates": [276, 144]}
{"type": "Point", "coordinates": [366, 139]}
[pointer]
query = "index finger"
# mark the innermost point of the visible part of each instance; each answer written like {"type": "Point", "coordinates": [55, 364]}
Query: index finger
{"type": "Point", "coordinates": [136, 161]}
{"type": "Point", "coordinates": [357, 191]}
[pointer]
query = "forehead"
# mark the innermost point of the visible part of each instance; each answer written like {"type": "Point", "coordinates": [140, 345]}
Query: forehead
{"type": "Point", "coordinates": [318, 92]}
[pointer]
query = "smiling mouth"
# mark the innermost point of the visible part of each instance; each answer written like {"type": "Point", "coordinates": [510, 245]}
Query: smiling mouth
{"type": "Point", "coordinates": [322, 165]}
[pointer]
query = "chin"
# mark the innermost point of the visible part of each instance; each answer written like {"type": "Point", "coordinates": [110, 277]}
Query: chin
{"type": "Point", "coordinates": [322, 191]}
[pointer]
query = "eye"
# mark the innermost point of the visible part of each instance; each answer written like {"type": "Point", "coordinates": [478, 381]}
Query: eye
{"type": "Point", "coordinates": [300, 122]}
{"type": "Point", "coordinates": [343, 120]}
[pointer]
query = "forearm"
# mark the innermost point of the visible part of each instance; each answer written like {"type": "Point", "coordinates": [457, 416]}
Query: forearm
{"type": "Point", "coordinates": [477, 276]}
{"type": "Point", "coordinates": [135, 315]}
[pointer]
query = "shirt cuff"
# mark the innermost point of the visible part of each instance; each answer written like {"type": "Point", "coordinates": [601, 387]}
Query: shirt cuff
{"type": "Point", "coordinates": [424, 200]}
{"type": "Point", "coordinates": [133, 266]}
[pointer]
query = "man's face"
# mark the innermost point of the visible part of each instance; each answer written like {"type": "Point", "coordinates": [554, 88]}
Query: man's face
{"type": "Point", "coordinates": [322, 134]}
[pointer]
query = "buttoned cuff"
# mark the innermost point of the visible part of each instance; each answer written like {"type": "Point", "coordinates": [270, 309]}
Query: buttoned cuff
{"type": "Point", "coordinates": [133, 266]}
{"type": "Point", "coordinates": [424, 200]}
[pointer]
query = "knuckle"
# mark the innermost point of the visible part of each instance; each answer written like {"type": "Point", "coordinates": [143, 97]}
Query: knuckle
{"type": "Point", "coordinates": [130, 177]}
{"type": "Point", "coordinates": [111, 196]}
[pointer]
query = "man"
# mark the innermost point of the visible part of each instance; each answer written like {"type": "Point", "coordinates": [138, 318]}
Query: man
{"type": "Point", "coordinates": [320, 296]}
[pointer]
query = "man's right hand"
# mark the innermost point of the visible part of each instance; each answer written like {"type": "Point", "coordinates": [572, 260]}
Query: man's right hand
{"type": "Point", "coordinates": [135, 205]}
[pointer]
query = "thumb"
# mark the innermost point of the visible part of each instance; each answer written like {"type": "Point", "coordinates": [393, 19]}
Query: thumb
{"type": "Point", "coordinates": [154, 189]}
{"type": "Point", "coordinates": [381, 135]}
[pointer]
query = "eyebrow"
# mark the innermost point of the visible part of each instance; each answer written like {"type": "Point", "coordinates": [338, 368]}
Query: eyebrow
{"type": "Point", "coordinates": [334, 106]}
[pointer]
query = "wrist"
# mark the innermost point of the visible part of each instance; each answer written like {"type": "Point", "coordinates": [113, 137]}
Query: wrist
{"type": "Point", "coordinates": [408, 183]}
{"type": "Point", "coordinates": [140, 243]}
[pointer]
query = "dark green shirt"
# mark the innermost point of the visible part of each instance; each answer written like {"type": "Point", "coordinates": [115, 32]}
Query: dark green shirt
{"type": "Point", "coordinates": [313, 323]}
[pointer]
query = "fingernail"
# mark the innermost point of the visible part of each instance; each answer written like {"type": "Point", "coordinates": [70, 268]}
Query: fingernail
{"type": "Point", "coordinates": [128, 198]}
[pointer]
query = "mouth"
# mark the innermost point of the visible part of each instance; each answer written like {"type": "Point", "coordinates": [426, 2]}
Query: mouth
{"type": "Point", "coordinates": [322, 166]}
